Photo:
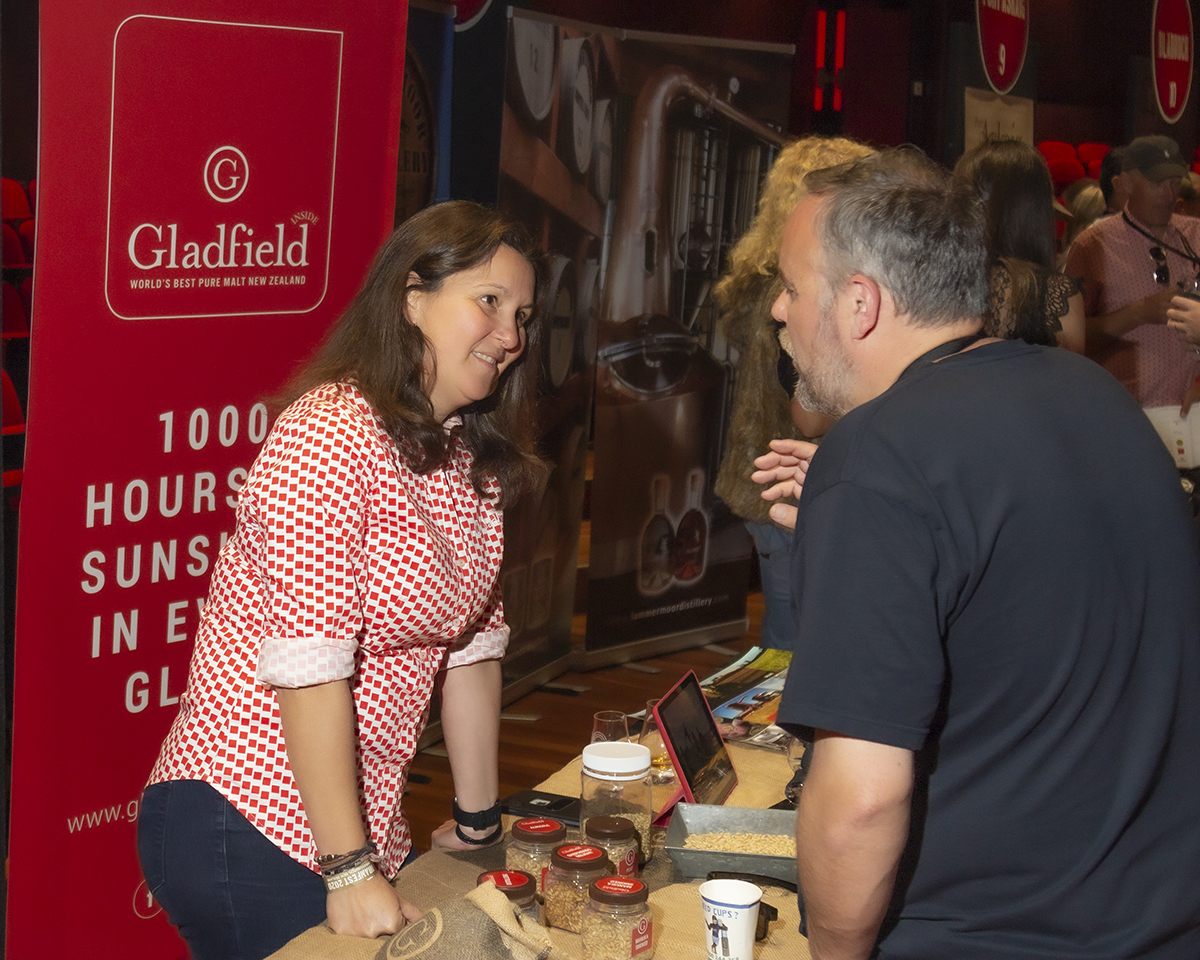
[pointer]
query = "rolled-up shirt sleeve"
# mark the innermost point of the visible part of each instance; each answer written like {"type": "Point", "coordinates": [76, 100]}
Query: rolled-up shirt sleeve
{"type": "Point", "coordinates": [309, 511]}
{"type": "Point", "coordinates": [486, 640]}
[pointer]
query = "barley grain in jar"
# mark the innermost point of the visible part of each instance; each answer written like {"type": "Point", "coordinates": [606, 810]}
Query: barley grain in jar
{"type": "Point", "coordinates": [615, 782]}
{"type": "Point", "coordinates": [533, 840]}
{"type": "Point", "coordinates": [616, 836]}
{"type": "Point", "coordinates": [573, 866]}
{"type": "Point", "coordinates": [617, 923]}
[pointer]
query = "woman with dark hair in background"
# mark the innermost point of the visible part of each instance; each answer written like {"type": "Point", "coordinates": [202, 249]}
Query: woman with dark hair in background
{"type": "Point", "coordinates": [1029, 300]}
{"type": "Point", "coordinates": [363, 567]}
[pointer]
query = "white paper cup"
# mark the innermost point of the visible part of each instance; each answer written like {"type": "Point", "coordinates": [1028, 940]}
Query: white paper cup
{"type": "Point", "coordinates": [730, 916]}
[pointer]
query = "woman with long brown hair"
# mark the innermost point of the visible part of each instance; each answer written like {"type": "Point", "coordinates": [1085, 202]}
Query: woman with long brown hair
{"type": "Point", "coordinates": [363, 568]}
{"type": "Point", "coordinates": [1029, 300]}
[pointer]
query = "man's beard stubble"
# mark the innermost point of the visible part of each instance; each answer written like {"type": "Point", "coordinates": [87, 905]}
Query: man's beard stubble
{"type": "Point", "coordinates": [823, 384]}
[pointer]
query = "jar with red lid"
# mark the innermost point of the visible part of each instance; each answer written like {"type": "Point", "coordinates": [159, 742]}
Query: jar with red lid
{"type": "Point", "coordinates": [617, 838]}
{"type": "Point", "coordinates": [573, 866]}
{"type": "Point", "coordinates": [533, 840]}
{"type": "Point", "coordinates": [617, 923]}
{"type": "Point", "coordinates": [520, 888]}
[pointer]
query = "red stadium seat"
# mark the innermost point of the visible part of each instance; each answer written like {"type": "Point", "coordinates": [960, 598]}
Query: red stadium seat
{"type": "Point", "coordinates": [1093, 169]}
{"type": "Point", "coordinates": [33, 196]}
{"type": "Point", "coordinates": [13, 426]}
{"type": "Point", "coordinates": [13, 254]}
{"type": "Point", "coordinates": [1057, 150]}
{"type": "Point", "coordinates": [14, 203]}
{"type": "Point", "coordinates": [12, 416]}
{"type": "Point", "coordinates": [1092, 151]}
{"type": "Point", "coordinates": [14, 322]}
{"type": "Point", "coordinates": [1065, 172]}
{"type": "Point", "coordinates": [25, 233]}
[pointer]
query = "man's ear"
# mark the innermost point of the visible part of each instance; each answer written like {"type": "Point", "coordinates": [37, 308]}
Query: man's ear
{"type": "Point", "coordinates": [866, 299]}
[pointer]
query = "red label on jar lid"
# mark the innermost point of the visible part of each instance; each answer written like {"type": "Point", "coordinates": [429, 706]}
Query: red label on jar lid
{"type": "Point", "coordinates": [538, 825]}
{"type": "Point", "coordinates": [579, 851]}
{"type": "Point", "coordinates": [506, 878]}
{"type": "Point", "coordinates": [619, 885]}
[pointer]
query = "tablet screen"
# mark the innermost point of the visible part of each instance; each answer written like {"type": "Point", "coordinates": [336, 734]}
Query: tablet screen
{"type": "Point", "coordinates": [697, 750]}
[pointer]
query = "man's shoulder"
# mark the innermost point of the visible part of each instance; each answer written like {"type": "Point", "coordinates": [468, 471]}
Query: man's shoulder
{"type": "Point", "coordinates": [1188, 226]}
{"type": "Point", "coordinates": [960, 391]}
{"type": "Point", "coordinates": [1092, 243]}
{"type": "Point", "coordinates": [1103, 229]}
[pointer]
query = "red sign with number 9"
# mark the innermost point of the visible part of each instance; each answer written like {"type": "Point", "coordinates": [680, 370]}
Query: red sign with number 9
{"type": "Point", "coordinates": [1003, 38]}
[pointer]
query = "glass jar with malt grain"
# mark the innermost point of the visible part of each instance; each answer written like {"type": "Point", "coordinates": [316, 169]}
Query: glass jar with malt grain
{"type": "Point", "coordinates": [573, 866]}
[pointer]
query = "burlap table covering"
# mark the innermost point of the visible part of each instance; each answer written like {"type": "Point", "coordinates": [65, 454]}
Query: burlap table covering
{"type": "Point", "coordinates": [679, 931]}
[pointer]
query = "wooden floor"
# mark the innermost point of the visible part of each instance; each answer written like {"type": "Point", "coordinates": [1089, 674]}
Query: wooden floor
{"type": "Point", "coordinates": [532, 750]}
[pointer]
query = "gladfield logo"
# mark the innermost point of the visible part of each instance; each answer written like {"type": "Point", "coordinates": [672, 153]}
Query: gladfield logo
{"type": "Point", "coordinates": [234, 219]}
{"type": "Point", "coordinates": [153, 245]}
{"type": "Point", "coordinates": [225, 174]}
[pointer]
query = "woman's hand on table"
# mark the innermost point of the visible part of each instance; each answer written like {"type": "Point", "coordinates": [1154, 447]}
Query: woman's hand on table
{"type": "Point", "coordinates": [445, 837]}
{"type": "Point", "coordinates": [369, 909]}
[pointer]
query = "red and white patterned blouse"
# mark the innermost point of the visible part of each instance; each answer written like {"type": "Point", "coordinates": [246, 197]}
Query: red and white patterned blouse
{"type": "Point", "coordinates": [344, 564]}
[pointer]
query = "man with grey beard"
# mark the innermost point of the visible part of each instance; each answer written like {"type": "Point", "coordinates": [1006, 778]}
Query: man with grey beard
{"type": "Point", "coordinates": [997, 590]}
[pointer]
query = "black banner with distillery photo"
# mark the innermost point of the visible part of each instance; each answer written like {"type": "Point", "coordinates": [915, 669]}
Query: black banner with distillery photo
{"type": "Point", "coordinates": [695, 126]}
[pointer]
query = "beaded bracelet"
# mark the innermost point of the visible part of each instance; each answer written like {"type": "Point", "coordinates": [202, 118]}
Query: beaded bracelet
{"type": "Point", "coordinates": [335, 863]}
{"type": "Point", "coordinates": [346, 878]}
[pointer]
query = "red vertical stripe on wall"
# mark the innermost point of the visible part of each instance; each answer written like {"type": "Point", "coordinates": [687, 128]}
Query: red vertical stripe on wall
{"type": "Point", "coordinates": [839, 58]}
{"type": "Point", "coordinates": [819, 60]}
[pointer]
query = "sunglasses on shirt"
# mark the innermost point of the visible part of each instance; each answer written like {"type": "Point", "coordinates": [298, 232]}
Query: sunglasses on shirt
{"type": "Point", "coordinates": [1162, 273]}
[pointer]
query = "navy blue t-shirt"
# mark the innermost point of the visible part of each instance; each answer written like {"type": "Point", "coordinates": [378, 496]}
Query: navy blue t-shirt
{"type": "Point", "coordinates": [994, 567]}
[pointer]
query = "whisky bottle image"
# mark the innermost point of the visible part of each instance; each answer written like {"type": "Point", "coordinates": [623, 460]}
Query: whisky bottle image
{"type": "Point", "coordinates": [658, 542]}
{"type": "Point", "coordinates": [691, 539]}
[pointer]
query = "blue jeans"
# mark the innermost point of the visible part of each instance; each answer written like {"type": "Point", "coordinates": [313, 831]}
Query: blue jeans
{"type": "Point", "coordinates": [229, 890]}
{"type": "Point", "coordinates": [232, 893]}
{"type": "Point", "coordinates": [774, 546]}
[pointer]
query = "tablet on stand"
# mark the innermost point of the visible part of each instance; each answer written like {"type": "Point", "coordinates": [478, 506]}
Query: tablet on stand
{"type": "Point", "coordinates": [705, 770]}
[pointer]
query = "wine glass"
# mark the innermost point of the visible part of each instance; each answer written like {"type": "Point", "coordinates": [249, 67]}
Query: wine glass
{"type": "Point", "coordinates": [610, 726]}
{"type": "Point", "coordinates": [661, 768]}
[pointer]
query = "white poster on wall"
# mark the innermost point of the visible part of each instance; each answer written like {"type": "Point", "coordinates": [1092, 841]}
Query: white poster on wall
{"type": "Point", "coordinates": [989, 114]}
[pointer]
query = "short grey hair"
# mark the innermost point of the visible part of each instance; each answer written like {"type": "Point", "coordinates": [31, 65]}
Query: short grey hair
{"type": "Point", "coordinates": [910, 226]}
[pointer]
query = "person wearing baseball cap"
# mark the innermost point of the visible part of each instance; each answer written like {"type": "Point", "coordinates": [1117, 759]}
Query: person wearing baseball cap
{"type": "Point", "coordinates": [1133, 265]}
{"type": "Point", "coordinates": [1155, 158]}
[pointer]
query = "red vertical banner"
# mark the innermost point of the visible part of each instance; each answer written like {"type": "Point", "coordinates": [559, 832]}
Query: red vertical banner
{"type": "Point", "coordinates": [214, 178]}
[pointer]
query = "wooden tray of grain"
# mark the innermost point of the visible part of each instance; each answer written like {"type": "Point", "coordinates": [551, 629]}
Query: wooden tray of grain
{"type": "Point", "coordinates": [747, 828]}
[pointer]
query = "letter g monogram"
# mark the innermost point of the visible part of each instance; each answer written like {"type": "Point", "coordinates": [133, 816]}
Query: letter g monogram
{"type": "Point", "coordinates": [225, 174]}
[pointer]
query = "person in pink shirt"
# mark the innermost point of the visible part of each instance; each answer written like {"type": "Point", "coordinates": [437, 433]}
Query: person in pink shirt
{"type": "Point", "coordinates": [1132, 265]}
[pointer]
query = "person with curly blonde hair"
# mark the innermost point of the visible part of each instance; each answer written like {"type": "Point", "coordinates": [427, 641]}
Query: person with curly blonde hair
{"type": "Point", "coordinates": [762, 408]}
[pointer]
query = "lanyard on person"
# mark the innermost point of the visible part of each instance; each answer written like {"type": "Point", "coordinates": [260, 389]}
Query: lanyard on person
{"type": "Point", "coordinates": [1190, 255]}
{"type": "Point", "coordinates": [941, 351]}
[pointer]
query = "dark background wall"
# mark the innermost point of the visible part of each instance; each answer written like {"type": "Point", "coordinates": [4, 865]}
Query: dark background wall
{"type": "Point", "coordinates": [1090, 63]}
